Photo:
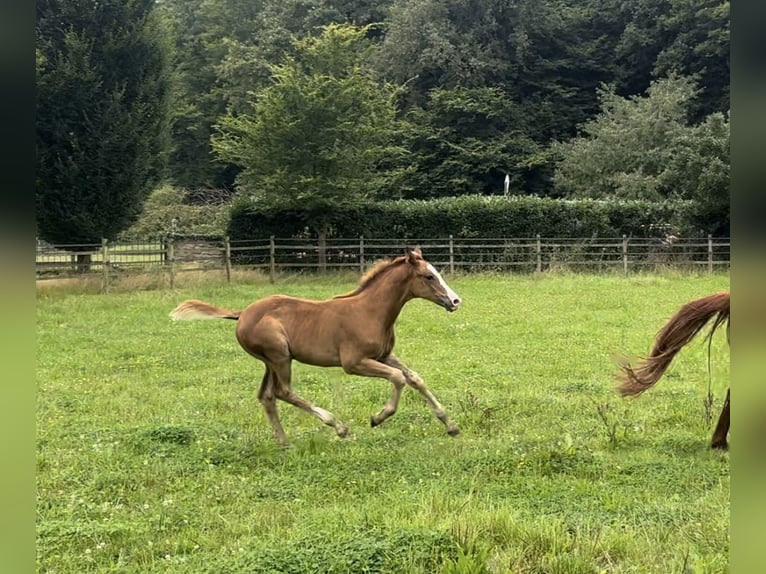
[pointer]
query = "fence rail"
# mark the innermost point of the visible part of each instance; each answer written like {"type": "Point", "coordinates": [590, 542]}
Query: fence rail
{"type": "Point", "coordinates": [177, 254]}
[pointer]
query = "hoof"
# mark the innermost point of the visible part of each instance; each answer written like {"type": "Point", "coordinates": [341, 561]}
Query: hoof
{"type": "Point", "coordinates": [373, 424]}
{"type": "Point", "coordinates": [453, 431]}
{"type": "Point", "coordinates": [720, 445]}
{"type": "Point", "coordinates": [342, 431]}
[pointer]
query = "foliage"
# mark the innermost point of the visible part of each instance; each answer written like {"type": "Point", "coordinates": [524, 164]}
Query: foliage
{"type": "Point", "coordinates": [483, 88]}
{"type": "Point", "coordinates": [197, 99]}
{"type": "Point", "coordinates": [477, 216]}
{"type": "Point", "coordinates": [167, 203]}
{"type": "Point", "coordinates": [153, 454]}
{"type": "Point", "coordinates": [686, 37]}
{"type": "Point", "coordinates": [464, 141]}
{"type": "Point", "coordinates": [699, 169]}
{"type": "Point", "coordinates": [643, 148]}
{"type": "Point", "coordinates": [313, 138]}
{"type": "Point", "coordinates": [101, 116]}
{"type": "Point", "coordinates": [548, 55]}
{"type": "Point", "coordinates": [226, 49]}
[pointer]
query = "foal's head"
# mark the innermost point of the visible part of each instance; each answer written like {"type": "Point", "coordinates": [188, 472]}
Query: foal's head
{"type": "Point", "coordinates": [427, 283]}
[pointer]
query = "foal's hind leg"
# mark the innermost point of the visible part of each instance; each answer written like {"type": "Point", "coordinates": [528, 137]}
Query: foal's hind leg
{"type": "Point", "coordinates": [283, 391]}
{"type": "Point", "coordinates": [269, 402]}
{"type": "Point", "coordinates": [722, 428]}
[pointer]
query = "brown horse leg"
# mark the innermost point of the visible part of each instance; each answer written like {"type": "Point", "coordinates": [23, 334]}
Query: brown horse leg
{"type": "Point", "coordinates": [393, 370]}
{"type": "Point", "coordinates": [269, 402]}
{"type": "Point", "coordinates": [284, 392]}
{"type": "Point", "coordinates": [391, 405]}
{"type": "Point", "coordinates": [417, 383]}
{"type": "Point", "coordinates": [371, 368]}
{"type": "Point", "coordinates": [722, 428]}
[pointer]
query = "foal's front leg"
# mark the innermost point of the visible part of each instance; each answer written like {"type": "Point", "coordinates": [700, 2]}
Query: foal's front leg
{"type": "Point", "coordinates": [414, 380]}
{"type": "Point", "coordinates": [394, 370]}
{"type": "Point", "coordinates": [366, 367]}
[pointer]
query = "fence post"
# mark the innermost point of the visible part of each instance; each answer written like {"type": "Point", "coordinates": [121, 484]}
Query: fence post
{"type": "Point", "coordinates": [361, 254]}
{"type": "Point", "coordinates": [451, 255]}
{"type": "Point", "coordinates": [709, 254]}
{"type": "Point", "coordinates": [227, 262]}
{"type": "Point", "coordinates": [272, 262]}
{"type": "Point", "coordinates": [105, 264]}
{"type": "Point", "coordinates": [539, 253]}
{"type": "Point", "coordinates": [171, 260]}
{"type": "Point", "coordinates": [624, 254]}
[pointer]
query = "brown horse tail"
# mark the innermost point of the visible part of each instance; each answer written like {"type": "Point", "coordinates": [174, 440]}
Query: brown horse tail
{"type": "Point", "coordinates": [193, 309]}
{"type": "Point", "coordinates": [677, 332]}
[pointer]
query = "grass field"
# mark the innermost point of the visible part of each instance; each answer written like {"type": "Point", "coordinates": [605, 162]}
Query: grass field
{"type": "Point", "coordinates": [154, 454]}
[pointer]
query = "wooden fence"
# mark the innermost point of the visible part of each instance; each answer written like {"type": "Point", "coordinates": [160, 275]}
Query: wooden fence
{"type": "Point", "coordinates": [177, 254]}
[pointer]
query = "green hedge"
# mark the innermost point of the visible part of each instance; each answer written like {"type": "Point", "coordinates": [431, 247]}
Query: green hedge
{"type": "Point", "coordinates": [478, 216]}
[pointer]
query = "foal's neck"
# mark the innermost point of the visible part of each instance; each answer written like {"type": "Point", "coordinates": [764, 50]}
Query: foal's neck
{"type": "Point", "coordinates": [386, 296]}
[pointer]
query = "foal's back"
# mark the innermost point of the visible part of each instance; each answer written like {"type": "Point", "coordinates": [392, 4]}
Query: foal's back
{"type": "Point", "coordinates": [280, 327]}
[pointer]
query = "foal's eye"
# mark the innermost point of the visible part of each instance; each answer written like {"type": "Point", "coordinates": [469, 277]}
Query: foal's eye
{"type": "Point", "coordinates": [430, 278]}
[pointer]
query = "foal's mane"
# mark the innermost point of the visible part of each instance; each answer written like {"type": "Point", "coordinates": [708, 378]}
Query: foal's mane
{"type": "Point", "coordinates": [376, 271]}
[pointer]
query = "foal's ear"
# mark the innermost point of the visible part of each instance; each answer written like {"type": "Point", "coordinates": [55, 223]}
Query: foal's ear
{"type": "Point", "coordinates": [413, 253]}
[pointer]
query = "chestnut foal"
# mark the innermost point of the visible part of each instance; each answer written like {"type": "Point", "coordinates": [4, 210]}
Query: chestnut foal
{"type": "Point", "coordinates": [353, 331]}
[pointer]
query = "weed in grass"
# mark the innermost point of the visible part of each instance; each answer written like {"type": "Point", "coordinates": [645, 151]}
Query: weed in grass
{"type": "Point", "coordinates": [472, 552]}
{"type": "Point", "coordinates": [610, 423]}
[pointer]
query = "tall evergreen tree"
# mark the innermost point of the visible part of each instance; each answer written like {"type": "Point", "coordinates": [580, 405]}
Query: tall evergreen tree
{"type": "Point", "coordinates": [102, 89]}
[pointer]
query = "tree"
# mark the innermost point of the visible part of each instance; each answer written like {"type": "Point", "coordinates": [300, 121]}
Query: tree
{"type": "Point", "coordinates": [465, 141]}
{"type": "Point", "coordinates": [197, 101]}
{"type": "Point", "coordinates": [314, 137]}
{"type": "Point", "coordinates": [686, 37]}
{"type": "Point", "coordinates": [225, 50]}
{"type": "Point", "coordinates": [102, 90]}
{"type": "Point", "coordinates": [547, 55]}
{"type": "Point", "coordinates": [545, 58]}
{"type": "Point", "coordinates": [644, 148]}
{"type": "Point", "coordinates": [699, 170]}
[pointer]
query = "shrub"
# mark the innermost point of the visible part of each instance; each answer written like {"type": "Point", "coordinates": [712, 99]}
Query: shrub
{"type": "Point", "coordinates": [478, 216]}
{"type": "Point", "coordinates": [167, 203]}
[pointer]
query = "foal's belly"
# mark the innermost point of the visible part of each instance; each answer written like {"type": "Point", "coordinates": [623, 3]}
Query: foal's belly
{"type": "Point", "coordinates": [317, 357]}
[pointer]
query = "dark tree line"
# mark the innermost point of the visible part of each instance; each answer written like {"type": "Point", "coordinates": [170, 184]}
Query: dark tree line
{"type": "Point", "coordinates": [533, 67]}
{"type": "Point", "coordinates": [480, 88]}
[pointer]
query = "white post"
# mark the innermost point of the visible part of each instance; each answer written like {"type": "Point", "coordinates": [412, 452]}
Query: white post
{"type": "Point", "coordinates": [227, 254]}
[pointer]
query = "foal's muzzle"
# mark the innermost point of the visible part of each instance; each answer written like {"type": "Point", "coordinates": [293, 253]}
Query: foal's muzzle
{"type": "Point", "coordinates": [451, 304]}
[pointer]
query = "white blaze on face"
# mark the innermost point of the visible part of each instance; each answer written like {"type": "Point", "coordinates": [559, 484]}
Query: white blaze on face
{"type": "Point", "coordinates": [450, 293]}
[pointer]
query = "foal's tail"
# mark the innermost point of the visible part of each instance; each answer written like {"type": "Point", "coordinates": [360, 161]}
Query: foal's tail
{"type": "Point", "coordinates": [677, 332]}
{"type": "Point", "coordinates": [194, 309]}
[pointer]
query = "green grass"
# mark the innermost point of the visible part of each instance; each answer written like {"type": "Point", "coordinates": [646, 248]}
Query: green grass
{"type": "Point", "coordinates": [154, 454]}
